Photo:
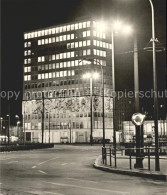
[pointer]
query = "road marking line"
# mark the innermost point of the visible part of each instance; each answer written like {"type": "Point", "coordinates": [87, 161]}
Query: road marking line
{"type": "Point", "coordinates": [34, 167]}
{"type": "Point", "coordinates": [81, 180]}
{"type": "Point", "coordinates": [53, 193]}
{"type": "Point", "coordinates": [42, 172]}
{"type": "Point", "coordinates": [7, 158]}
{"type": "Point", "coordinates": [64, 164]}
{"type": "Point", "coordinates": [12, 162]}
{"type": "Point", "coordinates": [89, 188]}
{"type": "Point", "coordinates": [46, 161]}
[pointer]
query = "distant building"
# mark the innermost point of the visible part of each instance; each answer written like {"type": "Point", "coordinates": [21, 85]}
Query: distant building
{"type": "Point", "coordinates": [55, 59]}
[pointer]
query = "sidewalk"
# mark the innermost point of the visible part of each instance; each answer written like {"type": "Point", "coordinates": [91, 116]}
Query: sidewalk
{"type": "Point", "coordinates": [123, 167]}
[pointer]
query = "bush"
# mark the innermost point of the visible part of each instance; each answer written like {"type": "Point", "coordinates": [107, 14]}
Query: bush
{"type": "Point", "coordinates": [24, 147]}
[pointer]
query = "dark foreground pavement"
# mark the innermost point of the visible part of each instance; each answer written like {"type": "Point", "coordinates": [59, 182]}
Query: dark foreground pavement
{"type": "Point", "coordinates": [67, 170]}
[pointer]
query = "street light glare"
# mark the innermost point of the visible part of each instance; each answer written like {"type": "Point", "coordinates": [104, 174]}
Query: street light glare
{"type": "Point", "coordinates": [117, 25]}
{"type": "Point", "coordinates": [86, 76]}
{"type": "Point", "coordinates": [127, 30]}
{"type": "Point", "coordinates": [95, 75]}
{"type": "Point", "coordinates": [101, 26]}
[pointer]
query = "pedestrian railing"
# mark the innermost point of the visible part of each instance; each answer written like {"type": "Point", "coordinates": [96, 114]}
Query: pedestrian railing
{"type": "Point", "coordinates": [110, 156]}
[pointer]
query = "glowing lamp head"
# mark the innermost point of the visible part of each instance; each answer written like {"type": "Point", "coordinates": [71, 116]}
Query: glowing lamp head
{"type": "Point", "coordinates": [138, 119]}
{"type": "Point", "coordinates": [95, 75]}
{"type": "Point", "coordinates": [117, 26]}
{"type": "Point", "coordinates": [87, 76]}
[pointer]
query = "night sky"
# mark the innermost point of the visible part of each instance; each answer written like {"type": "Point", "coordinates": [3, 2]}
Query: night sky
{"type": "Point", "coordinates": [18, 16]}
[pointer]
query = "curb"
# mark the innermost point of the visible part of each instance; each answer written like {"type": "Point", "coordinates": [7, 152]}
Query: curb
{"type": "Point", "coordinates": [139, 173]}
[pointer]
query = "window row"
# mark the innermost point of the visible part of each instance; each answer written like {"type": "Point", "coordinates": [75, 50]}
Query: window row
{"type": "Point", "coordinates": [60, 29]}
{"type": "Point", "coordinates": [56, 74]}
{"type": "Point", "coordinates": [99, 34]}
{"type": "Point", "coordinates": [78, 44]}
{"type": "Point", "coordinates": [99, 52]}
{"type": "Point", "coordinates": [27, 44]}
{"type": "Point", "coordinates": [102, 44]}
{"type": "Point", "coordinates": [27, 52]}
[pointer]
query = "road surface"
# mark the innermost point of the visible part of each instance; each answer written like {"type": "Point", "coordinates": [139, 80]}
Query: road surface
{"type": "Point", "coordinates": [67, 170]}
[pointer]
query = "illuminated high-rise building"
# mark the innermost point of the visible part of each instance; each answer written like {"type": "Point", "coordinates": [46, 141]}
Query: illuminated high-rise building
{"type": "Point", "coordinates": [56, 97]}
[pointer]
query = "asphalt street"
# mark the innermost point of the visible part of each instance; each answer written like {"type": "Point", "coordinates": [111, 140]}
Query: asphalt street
{"type": "Point", "coordinates": [67, 170]}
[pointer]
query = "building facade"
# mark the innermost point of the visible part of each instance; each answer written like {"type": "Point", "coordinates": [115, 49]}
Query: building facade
{"type": "Point", "coordinates": [56, 97]}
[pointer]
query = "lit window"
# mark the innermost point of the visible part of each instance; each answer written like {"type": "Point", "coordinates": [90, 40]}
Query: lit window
{"type": "Point", "coordinates": [39, 42]}
{"type": "Point", "coordinates": [50, 75]}
{"type": "Point", "coordinates": [39, 76]}
{"type": "Point", "coordinates": [84, 24]}
{"type": "Point", "coordinates": [61, 55]}
{"type": "Point", "coordinates": [110, 46]}
{"type": "Point", "coordinates": [53, 57]}
{"type": "Point", "coordinates": [43, 58]}
{"type": "Point", "coordinates": [64, 28]}
{"type": "Point", "coordinates": [104, 53]}
{"type": "Point", "coordinates": [76, 26]}
{"type": "Point", "coordinates": [68, 54]}
{"type": "Point", "coordinates": [61, 73]}
{"type": "Point", "coordinates": [72, 26]}
{"type": "Point", "coordinates": [29, 77]}
{"type": "Point", "coordinates": [84, 52]}
{"type": "Point", "coordinates": [69, 72]}
{"type": "Point", "coordinates": [68, 64]}
{"type": "Point", "coordinates": [35, 34]}
{"type": "Point", "coordinates": [46, 66]}
{"type": "Point", "coordinates": [84, 43]}
{"type": "Point", "coordinates": [104, 44]}
{"type": "Point", "coordinates": [65, 73]}
{"type": "Point", "coordinates": [72, 45]}
{"type": "Point", "coordinates": [64, 37]}
{"type": "Point", "coordinates": [39, 33]}
{"type": "Point", "coordinates": [88, 24]}
{"type": "Point", "coordinates": [42, 32]}
{"type": "Point", "coordinates": [53, 74]}
{"type": "Point", "coordinates": [25, 69]}
{"type": "Point", "coordinates": [57, 30]}
{"type": "Point", "coordinates": [65, 55]}
{"type": "Point", "coordinates": [88, 52]}
{"type": "Point", "coordinates": [29, 60]}
{"type": "Point", "coordinates": [98, 44]}
{"type": "Point", "coordinates": [61, 38]}
{"type": "Point", "coordinates": [49, 31]}
{"type": "Point", "coordinates": [68, 28]}
{"type": "Point", "coordinates": [25, 36]}
{"type": "Point", "coordinates": [57, 65]}
{"type": "Point", "coordinates": [43, 76]}
{"type": "Point", "coordinates": [57, 39]}
{"type": "Point", "coordinates": [94, 42]}
{"type": "Point", "coordinates": [46, 41]}
{"type": "Point", "coordinates": [88, 33]}
{"type": "Point", "coordinates": [76, 62]}
{"type": "Point", "coordinates": [25, 52]}
{"type": "Point", "coordinates": [98, 52]}
{"type": "Point", "coordinates": [61, 64]}
{"type": "Point", "coordinates": [25, 78]}
{"type": "Point", "coordinates": [72, 36]}
{"type": "Point", "coordinates": [68, 37]}
{"type": "Point", "coordinates": [72, 63]}
{"type": "Point", "coordinates": [53, 66]}
{"type": "Point", "coordinates": [88, 42]}
{"type": "Point", "coordinates": [50, 66]}
{"type": "Point", "coordinates": [50, 40]}
{"type": "Point", "coordinates": [25, 61]}
{"type": "Point", "coordinates": [57, 57]}
{"type": "Point", "coordinates": [46, 32]}
{"type": "Point", "coordinates": [68, 45]}
{"type": "Point", "coordinates": [101, 44]}
{"type": "Point", "coordinates": [76, 44]}
{"type": "Point", "coordinates": [53, 30]}
{"type": "Point", "coordinates": [80, 43]}
{"type": "Point", "coordinates": [46, 75]}
{"type": "Point", "coordinates": [72, 72]}
{"type": "Point", "coordinates": [95, 51]}
{"type": "Point", "coordinates": [72, 54]}
{"type": "Point", "coordinates": [57, 74]}
{"type": "Point", "coordinates": [25, 44]}
{"type": "Point", "coordinates": [84, 33]}
{"type": "Point", "coordinates": [43, 41]}
{"type": "Point", "coordinates": [80, 25]}
{"type": "Point", "coordinates": [65, 64]}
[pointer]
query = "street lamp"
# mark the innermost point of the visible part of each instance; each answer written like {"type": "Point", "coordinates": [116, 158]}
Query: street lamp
{"type": "Point", "coordinates": [91, 76]}
{"type": "Point", "coordinates": [1, 119]}
{"type": "Point", "coordinates": [8, 127]}
{"type": "Point", "coordinates": [157, 166]}
{"type": "Point", "coordinates": [115, 29]}
{"type": "Point", "coordinates": [102, 82]}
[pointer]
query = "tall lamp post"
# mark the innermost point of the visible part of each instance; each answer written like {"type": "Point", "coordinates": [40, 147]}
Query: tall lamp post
{"type": "Point", "coordinates": [157, 166]}
{"type": "Point", "coordinates": [91, 77]}
{"type": "Point", "coordinates": [8, 128]}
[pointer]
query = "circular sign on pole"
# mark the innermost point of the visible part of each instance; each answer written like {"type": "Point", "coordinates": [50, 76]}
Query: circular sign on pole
{"type": "Point", "coordinates": [138, 119]}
